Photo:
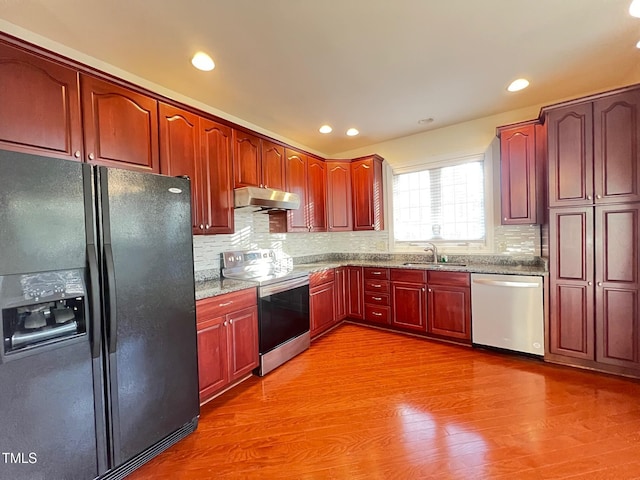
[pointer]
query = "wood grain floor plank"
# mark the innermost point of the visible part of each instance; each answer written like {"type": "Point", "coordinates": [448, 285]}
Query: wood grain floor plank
{"type": "Point", "coordinates": [369, 404]}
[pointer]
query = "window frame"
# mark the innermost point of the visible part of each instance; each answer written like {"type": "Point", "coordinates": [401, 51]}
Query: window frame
{"type": "Point", "coordinates": [446, 246]}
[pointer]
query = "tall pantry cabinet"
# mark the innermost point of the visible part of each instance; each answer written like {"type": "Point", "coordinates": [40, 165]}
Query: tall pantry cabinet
{"type": "Point", "coordinates": [594, 232]}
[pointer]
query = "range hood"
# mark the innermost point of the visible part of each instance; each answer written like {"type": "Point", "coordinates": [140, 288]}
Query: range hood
{"type": "Point", "coordinates": [265, 198]}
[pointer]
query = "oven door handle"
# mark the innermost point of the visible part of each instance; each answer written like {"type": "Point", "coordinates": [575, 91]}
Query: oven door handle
{"type": "Point", "coordinates": [283, 286]}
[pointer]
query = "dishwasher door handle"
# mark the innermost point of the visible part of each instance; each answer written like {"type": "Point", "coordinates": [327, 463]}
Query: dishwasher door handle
{"type": "Point", "coordinates": [499, 283]}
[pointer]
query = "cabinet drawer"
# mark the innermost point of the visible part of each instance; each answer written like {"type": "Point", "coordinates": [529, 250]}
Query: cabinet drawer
{"type": "Point", "coordinates": [379, 273]}
{"type": "Point", "coordinates": [376, 298]}
{"type": "Point", "coordinates": [325, 276]}
{"type": "Point", "coordinates": [377, 314]}
{"type": "Point", "coordinates": [408, 275]}
{"type": "Point", "coordinates": [376, 286]}
{"type": "Point", "coordinates": [223, 304]}
{"type": "Point", "coordinates": [460, 279]}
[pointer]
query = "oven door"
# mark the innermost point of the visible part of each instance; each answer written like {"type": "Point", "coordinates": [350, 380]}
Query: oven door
{"type": "Point", "coordinates": [283, 312]}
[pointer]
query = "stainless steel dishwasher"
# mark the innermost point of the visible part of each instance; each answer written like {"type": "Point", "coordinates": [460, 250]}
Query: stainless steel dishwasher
{"type": "Point", "coordinates": [507, 312]}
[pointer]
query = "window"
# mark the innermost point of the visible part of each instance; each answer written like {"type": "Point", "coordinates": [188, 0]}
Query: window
{"type": "Point", "coordinates": [440, 204]}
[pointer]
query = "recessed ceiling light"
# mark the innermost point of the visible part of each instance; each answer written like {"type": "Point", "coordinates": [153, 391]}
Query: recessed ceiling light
{"type": "Point", "coordinates": [203, 62]}
{"type": "Point", "coordinates": [519, 84]}
{"type": "Point", "coordinates": [638, 45]}
{"type": "Point", "coordinates": [634, 8]}
{"type": "Point", "coordinates": [352, 132]}
{"type": "Point", "coordinates": [326, 129]}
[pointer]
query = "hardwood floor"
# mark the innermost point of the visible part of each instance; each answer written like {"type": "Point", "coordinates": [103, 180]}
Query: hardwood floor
{"type": "Point", "coordinates": [369, 404]}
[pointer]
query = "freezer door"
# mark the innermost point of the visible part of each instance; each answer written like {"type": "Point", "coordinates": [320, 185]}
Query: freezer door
{"type": "Point", "coordinates": [47, 402]}
{"type": "Point", "coordinates": [150, 317]}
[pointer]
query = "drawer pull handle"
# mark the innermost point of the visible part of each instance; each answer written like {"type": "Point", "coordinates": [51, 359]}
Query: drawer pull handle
{"type": "Point", "coordinates": [376, 285]}
{"type": "Point", "coordinates": [377, 298]}
{"type": "Point", "coordinates": [377, 314]}
{"type": "Point", "coordinates": [226, 304]}
{"type": "Point", "coordinates": [376, 273]}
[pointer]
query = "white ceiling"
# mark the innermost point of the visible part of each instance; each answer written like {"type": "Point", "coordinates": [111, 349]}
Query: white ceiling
{"type": "Point", "coordinates": [289, 66]}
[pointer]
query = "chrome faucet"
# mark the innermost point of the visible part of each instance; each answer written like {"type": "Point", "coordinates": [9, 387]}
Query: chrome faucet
{"type": "Point", "coordinates": [432, 248]}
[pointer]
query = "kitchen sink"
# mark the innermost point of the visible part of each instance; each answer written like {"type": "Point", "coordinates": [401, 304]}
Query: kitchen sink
{"type": "Point", "coordinates": [434, 265]}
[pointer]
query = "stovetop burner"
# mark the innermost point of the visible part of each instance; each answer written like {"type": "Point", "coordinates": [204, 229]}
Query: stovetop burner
{"type": "Point", "coordinates": [264, 266]}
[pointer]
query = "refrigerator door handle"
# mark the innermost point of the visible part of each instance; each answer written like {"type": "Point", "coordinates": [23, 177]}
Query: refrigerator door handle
{"type": "Point", "coordinates": [111, 289]}
{"type": "Point", "coordinates": [95, 301]}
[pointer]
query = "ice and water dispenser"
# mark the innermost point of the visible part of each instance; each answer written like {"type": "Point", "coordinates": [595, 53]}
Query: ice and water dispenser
{"type": "Point", "coordinates": [41, 309]}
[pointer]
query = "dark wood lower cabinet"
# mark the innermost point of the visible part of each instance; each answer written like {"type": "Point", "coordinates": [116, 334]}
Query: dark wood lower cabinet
{"type": "Point", "coordinates": [355, 293]}
{"type": "Point", "coordinates": [227, 340]}
{"type": "Point", "coordinates": [449, 312]}
{"type": "Point", "coordinates": [341, 293]}
{"type": "Point", "coordinates": [409, 301]}
{"type": "Point", "coordinates": [595, 287]}
{"type": "Point", "coordinates": [322, 308]}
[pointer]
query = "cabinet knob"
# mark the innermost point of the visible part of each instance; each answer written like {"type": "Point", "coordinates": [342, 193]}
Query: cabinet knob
{"type": "Point", "coordinates": [261, 186]}
{"type": "Point", "coordinates": [92, 156]}
{"type": "Point", "coordinates": [224, 324]}
{"type": "Point", "coordinates": [230, 321]}
{"type": "Point", "coordinates": [589, 197]}
{"type": "Point", "coordinates": [598, 196]}
{"type": "Point", "coordinates": [599, 284]}
{"type": "Point", "coordinates": [589, 283]}
{"type": "Point", "coordinates": [429, 290]}
{"type": "Point", "coordinates": [201, 226]}
{"type": "Point", "coordinates": [76, 154]}
{"type": "Point", "coordinates": [206, 226]}
{"type": "Point", "coordinates": [505, 219]}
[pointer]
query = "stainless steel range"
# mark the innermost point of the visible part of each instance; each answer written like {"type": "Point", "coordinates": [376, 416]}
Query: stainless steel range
{"type": "Point", "coordinates": [283, 303]}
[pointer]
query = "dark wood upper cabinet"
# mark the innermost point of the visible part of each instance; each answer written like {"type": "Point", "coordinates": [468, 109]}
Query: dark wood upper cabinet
{"type": "Point", "coordinates": [180, 154]}
{"type": "Point", "coordinates": [520, 173]}
{"type": "Point", "coordinates": [594, 151]}
{"type": "Point", "coordinates": [273, 165]}
{"type": "Point", "coordinates": [296, 182]}
{"type": "Point", "coordinates": [617, 286]}
{"type": "Point", "coordinates": [316, 195]}
{"type": "Point", "coordinates": [339, 200]}
{"type": "Point", "coordinates": [120, 126]}
{"type": "Point", "coordinates": [570, 155]}
{"type": "Point", "coordinates": [616, 148]}
{"type": "Point", "coordinates": [200, 149]}
{"type": "Point", "coordinates": [40, 106]}
{"type": "Point", "coordinates": [246, 159]}
{"type": "Point", "coordinates": [366, 188]}
{"type": "Point", "coordinates": [215, 144]}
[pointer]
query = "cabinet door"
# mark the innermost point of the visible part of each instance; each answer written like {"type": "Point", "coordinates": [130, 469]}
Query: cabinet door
{"type": "Point", "coordinates": [40, 106]}
{"type": "Point", "coordinates": [616, 142]}
{"type": "Point", "coordinates": [322, 309]}
{"type": "Point", "coordinates": [571, 302]}
{"type": "Point", "coordinates": [355, 300]}
{"type": "Point", "coordinates": [518, 175]}
{"type": "Point", "coordinates": [296, 179]}
{"type": "Point", "coordinates": [246, 159]}
{"type": "Point", "coordinates": [449, 312]}
{"type": "Point", "coordinates": [316, 195]}
{"type": "Point", "coordinates": [120, 126]}
{"type": "Point", "coordinates": [570, 155]}
{"type": "Point", "coordinates": [243, 342]}
{"type": "Point", "coordinates": [366, 189]}
{"type": "Point", "coordinates": [409, 306]}
{"type": "Point", "coordinates": [215, 141]}
{"type": "Point", "coordinates": [617, 283]}
{"type": "Point", "coordinates": [272, 165]}
{"type": "Point", "coordinates": [213, 364]}
{"type": "Point", "coordinates": [180, 154]}
{"type": "Point", "coordinates": [339, 202]}
{"type": "Point", "coordinates": [341, 293]}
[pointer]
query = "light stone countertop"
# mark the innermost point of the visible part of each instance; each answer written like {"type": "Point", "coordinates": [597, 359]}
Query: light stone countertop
{"type": "Point", "coordinates": [212, 288]}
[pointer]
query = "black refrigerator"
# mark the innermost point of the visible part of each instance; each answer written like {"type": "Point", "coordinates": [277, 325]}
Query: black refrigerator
{"type": "Point", "coordinates": [98, 362]}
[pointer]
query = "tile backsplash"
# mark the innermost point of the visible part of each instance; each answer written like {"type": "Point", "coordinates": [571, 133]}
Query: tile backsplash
{"type": "Point", "coordinates": [252, 231]}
